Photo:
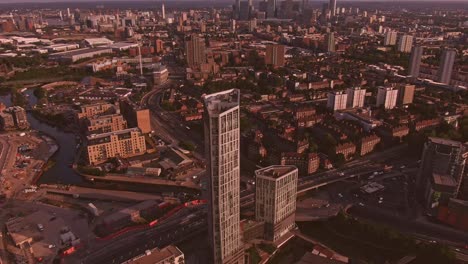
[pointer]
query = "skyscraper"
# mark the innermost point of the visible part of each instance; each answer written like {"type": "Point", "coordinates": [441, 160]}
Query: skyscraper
{"type": "Point", "coordinates": [337, 100]}
{"type": "Point", "coordinates": [405, 44]}
{"type": "Point", "coordinates": [356, 97]}
{"type": "Point", "coordinates": [405, 94]}
{"type": "Point", "coordinates": [275, 199]}
{"type": "Point", "coordinates": [332, 7]}
{"type": "Point", "coordinates": [387, 96]}
{"type": "Point", "coordinates": [446, 65]}
{"type": "Point", "coordinates": [415, 61]}
{"type": "Point", "coordinates": [274, 55]}
{"type": "Point", "coordinates": [222, 147]}
{"type": "Point", "coordinates": [236, 11]}
{"type": "Point", "coordinates": [331, 42]}
{"type": "Point", "coordinates": [271, 9]}
{"type": "Point", "coordinates": [244, 12]}
{"type": "Point", "coordinates": [195, 50]}
{"type": "Point", "coordinates": [163, 10]}
{"type": "Point", "coordinates": [390, 38]}
{"type": "Point", "coordinates": [443, 163]}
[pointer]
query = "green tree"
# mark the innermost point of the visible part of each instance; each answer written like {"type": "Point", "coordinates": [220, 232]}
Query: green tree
{"type": "Point", "coordinates": [40, 93]}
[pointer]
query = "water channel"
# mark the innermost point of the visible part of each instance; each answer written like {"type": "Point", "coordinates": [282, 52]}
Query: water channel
{"type": "Point", "coordinates": [61, 171]}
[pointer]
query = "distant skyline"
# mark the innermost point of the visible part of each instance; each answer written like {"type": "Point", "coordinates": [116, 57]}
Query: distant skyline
{"type": "Point", "coordinates": [157, 1]}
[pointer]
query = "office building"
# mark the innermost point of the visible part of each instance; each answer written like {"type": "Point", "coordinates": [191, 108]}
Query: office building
{"type": "Point", "coordinates": [271, 8]}
{"type": "Point", "coordinates": [442, 164]}
{"type": "Point", "coordinates": [236, 10]}
{"type": "Point", "coordinates": [332, 7]}
{"type": "Point", "coordinates": [105, 124]}
{"type": "Point", "coordinates": [222, 147]}
{"type": "Point", "coordinates": [356, 97]}
{"type": "Point", "coordinates": [405, 94]}
{"type": "Point", "coordinates": [390, 38]}
{"type": "Point", "coordinates": [79, 54]}
{"type": "Point", "coordinates": [274, 55]}
{"type": "Point", "coordinates": [275, 199]}
{"type": "Point", "coordinates": [168, 255]}
{"type": "Point", "coordinates": [387, 97]}
{"type": "Point", "coordinates": [252, 25]}
{"type": "Point", "coordinates": [337, 100]}
{"type": "Point", "coordinates": [415, 61]}
{"type": "Point", "coordinates": [195, 50]}
{"type": "Point", "coordinates": [244, 12]}
{"type": "Point", "coordinates": [163, 11]}
{"type": "Point", "coordinates": [136, 116]}
{"type": "Point", "coordinates": [160, 75]}
{"type": "Point", "coordinates": [446, 65]}
{"type": "Point", "coordinates": [406, 43]}
{"type": "Point", "coordinates": [123, 143]}
{"type": "Point", "coordinates": [331, 42]}
{"type": "Point", "coordinates": [159, 46]}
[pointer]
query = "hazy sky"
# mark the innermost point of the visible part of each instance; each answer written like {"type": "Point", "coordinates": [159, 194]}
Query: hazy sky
{"type": "Point", "coordinates": [218, 1]}
{"type": "Point", "coordinates": [97, 2]}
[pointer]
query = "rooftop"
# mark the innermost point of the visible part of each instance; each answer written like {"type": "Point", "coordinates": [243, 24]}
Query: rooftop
{"type": "Point", "coordinates": [120, 132]}
{"type": "Point", "coordinates": [217, 103]}
{"type": "Point", "coordinates": [447, 142]}
{"type": "Point", "coordinates": [275, 171]}
{"type": "Point", "coordinates": [80, 51]}
{"type": "Point", "coordinates": [445, 180]}
{"type": "Point", "coordinates": [156, 255]}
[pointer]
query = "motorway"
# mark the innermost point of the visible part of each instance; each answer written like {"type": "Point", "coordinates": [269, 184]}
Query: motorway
{"type": "Point", "coordinates": [128, 246]}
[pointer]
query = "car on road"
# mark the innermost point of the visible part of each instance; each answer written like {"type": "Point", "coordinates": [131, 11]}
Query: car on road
{"type": "Point", "coordinates": [361, 204]}
{"type": "Point", "coordinates": [340, 195]}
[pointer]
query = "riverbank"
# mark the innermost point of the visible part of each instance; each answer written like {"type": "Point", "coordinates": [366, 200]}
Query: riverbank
{"type": "Point", "coordinates": [24, 157]}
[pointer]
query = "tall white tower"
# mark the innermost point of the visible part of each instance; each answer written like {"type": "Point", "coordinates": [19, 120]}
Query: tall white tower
{"type": "Point", "coordinates": [222, 147]}
{"type": "Point", "coordinates": [163, 8]}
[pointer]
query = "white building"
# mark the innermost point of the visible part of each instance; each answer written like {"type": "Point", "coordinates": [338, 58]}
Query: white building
{"type": "Point", "coordinates": [170, 254]}
{"type": "Point", "coordinates": [94, 42]}
{"type": "Point", "coordinates": [337, 100]}
{"type": "Point", "coordinates": [62, 47]}
{"type": "Point", "coordinates": [406, 44]}
{"type": "Point", "coordinates": [222, 146]}
{"type": "Point", "coordinates": [275, 199]}
{"type": "Point", "coordinates": [447, 61]}
{"type": "Point", "coordinates": [390, 38]}
{"type": "Point", "coordinates": [387, 96]}
{"type": "Point", "coordinates": [356, 97]}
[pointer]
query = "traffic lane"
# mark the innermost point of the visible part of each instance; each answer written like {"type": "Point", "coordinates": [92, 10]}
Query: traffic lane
{"type": "Point", "coordinates": [148, 241]}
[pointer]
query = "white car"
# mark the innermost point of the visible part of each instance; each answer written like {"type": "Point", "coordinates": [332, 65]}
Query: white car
{"type": "Point", "coordinates": [361, 204]}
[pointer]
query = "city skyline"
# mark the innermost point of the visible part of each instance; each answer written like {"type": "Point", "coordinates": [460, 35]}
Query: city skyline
{"type": "Point", "coordinates": [233, 132]}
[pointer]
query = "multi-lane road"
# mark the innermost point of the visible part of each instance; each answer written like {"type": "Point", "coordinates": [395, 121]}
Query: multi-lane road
{"type": "Point", "coordinates": [171, 231]}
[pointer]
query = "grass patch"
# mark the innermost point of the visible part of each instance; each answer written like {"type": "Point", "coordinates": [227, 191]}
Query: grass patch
{"type": "Point", "coordinates": [370, 242]}
{"type": "Point", "coordinates": [254, 256]}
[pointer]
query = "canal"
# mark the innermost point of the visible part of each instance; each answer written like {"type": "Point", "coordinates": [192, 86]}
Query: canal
{"type": "Point", "coordinates": [60, 172]}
